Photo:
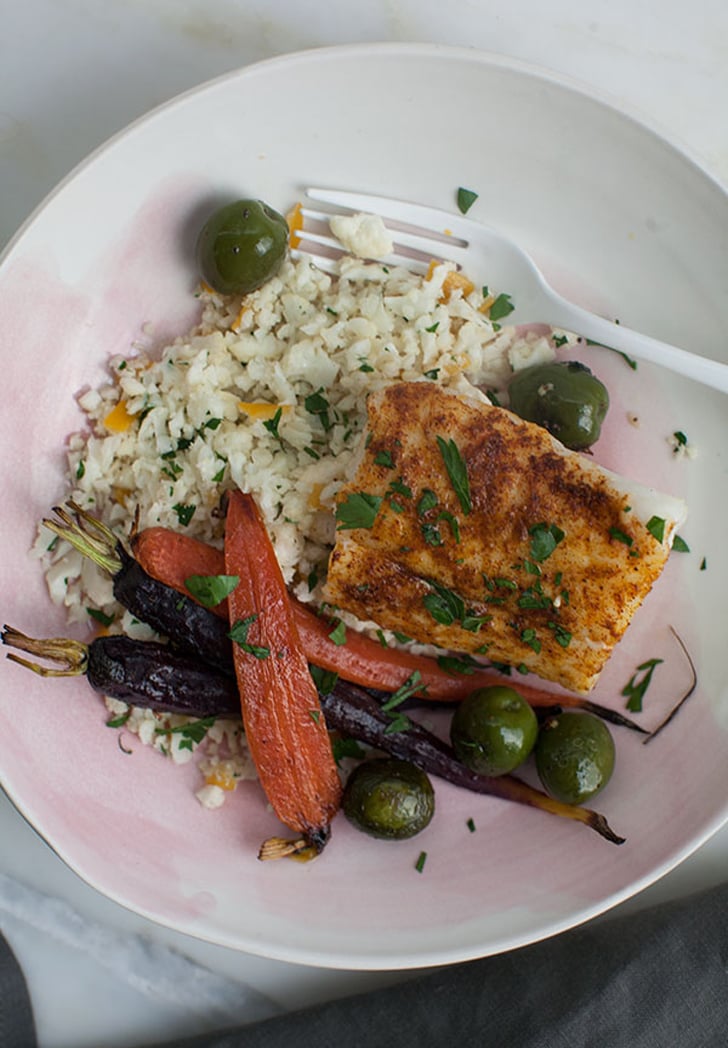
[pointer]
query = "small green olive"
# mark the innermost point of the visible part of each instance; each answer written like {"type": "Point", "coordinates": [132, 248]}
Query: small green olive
{"type": "Point", "coordinates": [493, 730]}
{"type": "Point", "coordinates": [574, 756]}
{"type": "Point", "coordinates": [565, 398]}
{"type": "Point", "coordinates": [241, 246]}
{"type": "Point", "coordinates": [389, 798]}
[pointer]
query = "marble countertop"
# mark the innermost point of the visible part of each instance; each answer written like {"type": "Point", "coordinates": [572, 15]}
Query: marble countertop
{"type": "Point", "coordinates": [73, 72]}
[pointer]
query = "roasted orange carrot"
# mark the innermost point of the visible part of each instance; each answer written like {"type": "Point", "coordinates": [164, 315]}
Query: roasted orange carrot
{"type": "Point", "coordinates": [173, 558]}
{"type": "Point", "coordinates": [282, 717]}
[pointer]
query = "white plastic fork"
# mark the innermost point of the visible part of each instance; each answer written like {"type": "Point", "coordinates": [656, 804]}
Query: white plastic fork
{"type": "Point", "coordinates": [423, 233]}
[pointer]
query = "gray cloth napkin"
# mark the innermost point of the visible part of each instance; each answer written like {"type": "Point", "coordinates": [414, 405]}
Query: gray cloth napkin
{"type": "Point", "coordinates": [656, 979]}
{"type": "Point", "coordinates": [17, 1028]}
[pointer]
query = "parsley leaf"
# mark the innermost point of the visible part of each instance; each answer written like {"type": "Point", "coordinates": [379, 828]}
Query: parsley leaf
{"type": "Point", "coordinates": [466, 198]}
{"type": "Point", "coordinates": [271, 425]}
{"type": "Point", "coordinates": [427, 501]}
{"type": "Point", "coordinates": [192, 733]}
{"type": "Point", "coordinates": [680, 545]}
{"type": "Point", "coordinates": [544, 540]}
{"type": "Point", "coordinates": [621, 536]}
{"type": "Point", "coordinates": [316, 404]}
{"type": "Point", "coordinates": [358, 510]}
{"type": "Point", "coordinates": [457, 471]}
{"type": "Point", "coordinates": [184, 513]}
{"type": "Point", "coordinates": [634, 690]}
{"type": "Point", "coordinates": [211, 590]}
{"type": "Point", "coordinates": [445, 606]}
{"type": "Point", "coordinates": [384, 458]}
{"type": "Point", "coordinates": [501, 307]}
{"type": "Point", "coordinates": [325, 680]}
{"type": "Point", "coordinates": [346, 748]}
{"type": "Point", "coordinates": [338, 634]}
{"type": "Point", "coordinates": [656, 528]}
{"type": "Point", "coordinates": [239, 634]}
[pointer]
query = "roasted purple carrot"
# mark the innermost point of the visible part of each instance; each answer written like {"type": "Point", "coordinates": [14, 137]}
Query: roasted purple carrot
{"type": "Point", "coordinates": [151, 674]}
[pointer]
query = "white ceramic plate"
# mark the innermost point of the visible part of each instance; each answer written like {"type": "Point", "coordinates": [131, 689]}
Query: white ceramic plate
{"type": "Point", "coordinates": [616, 216]}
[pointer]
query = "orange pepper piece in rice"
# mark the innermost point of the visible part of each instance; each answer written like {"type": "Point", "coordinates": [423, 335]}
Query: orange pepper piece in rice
{"type": "Point", "coordinates": [454, 281]}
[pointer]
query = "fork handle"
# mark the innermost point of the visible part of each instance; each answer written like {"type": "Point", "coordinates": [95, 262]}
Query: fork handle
{"type": "Point", "coordinates": [573, 318]}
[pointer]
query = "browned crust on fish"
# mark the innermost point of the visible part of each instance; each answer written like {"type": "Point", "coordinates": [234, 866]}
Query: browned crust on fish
{"type": "Point", "coordinates": [519, 477]}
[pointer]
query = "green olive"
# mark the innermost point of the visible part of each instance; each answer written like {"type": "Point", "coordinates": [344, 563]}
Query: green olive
{"type": "Point", "coordinates": [574, 756]}
{"type": "Point", "coordinates": [241, 246]}
{"type": "Point", "coordinates": [389, 798]}
{"type": "Point", "coordinates": [565, 398]}
{"type": "Point", "coordinates": [493, 730]}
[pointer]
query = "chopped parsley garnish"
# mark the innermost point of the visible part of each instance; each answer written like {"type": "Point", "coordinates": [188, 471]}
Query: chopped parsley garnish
{"type": "Point", "coordinates": [703, 564]}
{"type": "Point", "coordinates": [680, 545]}
{"type": "Point", "coordinates": [620, 536]}
{"type": "Point", "coordinates": [384, 458]}
{"type": "Point", "coordinates": [457, 471]}
{"type": "Point", "coordinates": [399, 721]}
{"type": "Point", "coordinates": [219, 475]}
{"type": "Point", "coordinates": [680, 438]}
{"type": "Point", "coordinates": [100, 616]}
{"type": "Point", "coordinates": [452, 521]}
{"type": "Point", "coordinates": [445, 606]}
{"type": "Point", "coordinates": [192, 733]}
{"type": "Point", "coordinates": [366, 367]}
{"type": "Point", "coordinates": [120, 721]}
{"type": "Point", "coordinates": [426, 501]}
{"type": "Point", "coordinates": [358, 510]}
{"type": "Point", "coordinates": [346, 748]}
{"type": "Point", "coordinates": [325, 680]}
{"type": "Point", "coordinates": [431, 534]}
{"type": "Point", "coordinates": [315, 715]}
{"type": "Point", "coordinates": [184, 512]}
{"type": "Point", "coordinates": [472, 623]}
{"type": "Point", "coordinates": [312, 453]}
{"type": "Point", "coordinates": [80, 469]}
{"type": "Point", "coordinates": [316, 404]}
{"type": "Point", "coordinates": [239, 634]}
{"type": "Point", "coordinates": [656, 528]}
{"type": "Point", "coordinates": [338, 634]}
{"type": "Point", "coordinates": [271, 424]}
{"type": "Point", "coordinates": [559, 340]}
{"type": "Point", "coordinates": [501, 307]}
{"type": "Point", "coordinates": [634, 690]}
{"type": "Point", "coordinates": [465, 198]}
{"type": "Point", "coordinates": [211, 590]}
{"type": "Point", "coordinates": [529, 637]}
{"type": "Point", "coordinates": [432, 373]}
{"type": "Point", "coordinates": [561, 635]}
{"type": "Point", "coordinates": [462, 665]}
{"type": "Point", "coordinates": [412, 686]}
{"type": "Point", "coordinates": [544, 540]}
{"type": "Point", "coordinates": [400, 488]}
{"type": "Point", "coordinates": [471, 825]}
{"type": "Point", "coordinates": [421, 860]}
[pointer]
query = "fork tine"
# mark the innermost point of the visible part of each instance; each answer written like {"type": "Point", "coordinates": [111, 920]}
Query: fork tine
{"type": "Point", "coordinates": [414, 250]}
{"type": "Point", "coordinates": [429, 219]}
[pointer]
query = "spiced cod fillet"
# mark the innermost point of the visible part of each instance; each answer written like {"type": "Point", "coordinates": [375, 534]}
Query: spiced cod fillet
{"type": "Point", "coordinates": [468, 528]}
